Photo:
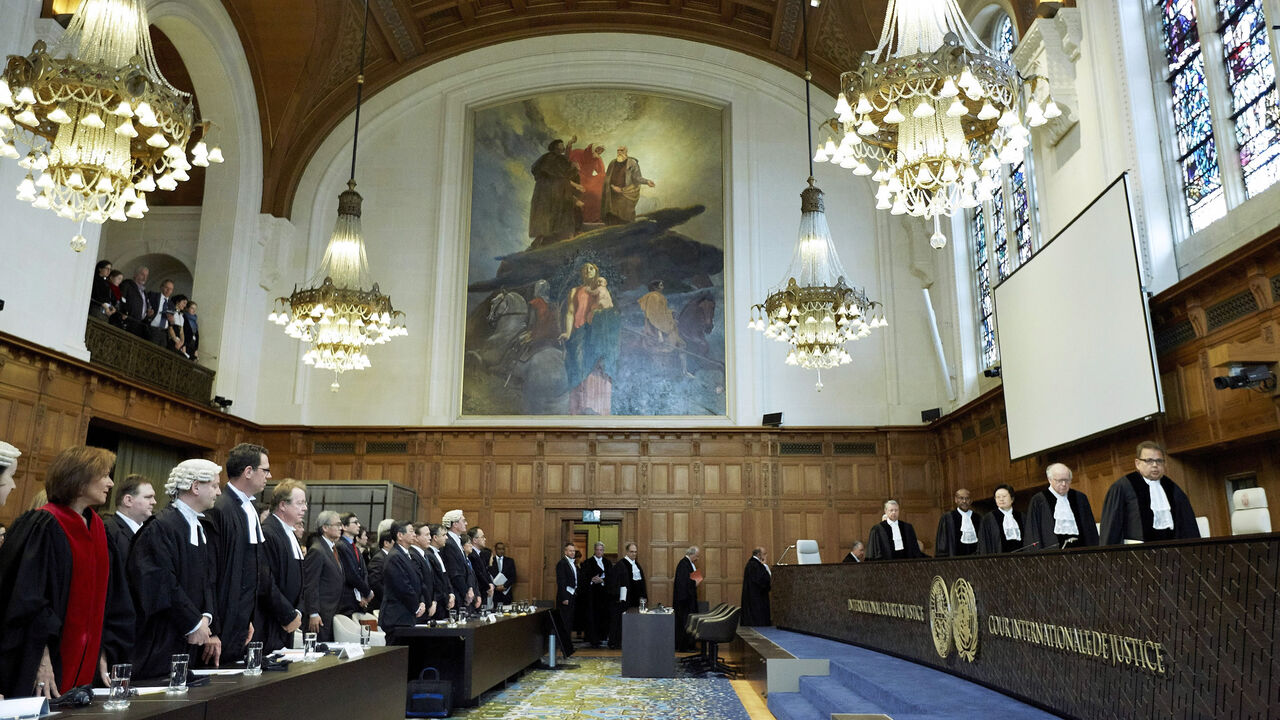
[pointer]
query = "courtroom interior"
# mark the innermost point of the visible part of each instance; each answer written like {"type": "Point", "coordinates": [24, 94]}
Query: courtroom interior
{"type": "Point", "coordinates": [663, 359]}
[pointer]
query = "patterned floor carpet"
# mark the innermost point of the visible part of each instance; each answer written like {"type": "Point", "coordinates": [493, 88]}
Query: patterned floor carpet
{"type": "Point", "coordinates": [595, 691]}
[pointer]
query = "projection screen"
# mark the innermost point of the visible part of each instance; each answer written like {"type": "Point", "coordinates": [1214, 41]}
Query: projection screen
{"type": "Point", "coordinates": [1076, 348]}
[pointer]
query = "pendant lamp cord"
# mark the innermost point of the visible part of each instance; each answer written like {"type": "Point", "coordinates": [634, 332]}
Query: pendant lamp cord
{"type": "Point", "coordinates": [808, 118]}
{"type": "Point", "coordinates": [355, 139]}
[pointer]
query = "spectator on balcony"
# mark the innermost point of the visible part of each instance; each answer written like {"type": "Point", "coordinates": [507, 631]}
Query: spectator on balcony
{"type": "Point", "coordinates": [136, 310]}
{"type": "Point", "coordinates": [191, 330]}
{"type": "Point", "coordinates": [101, 301]}
{"type": "Point", "coordinates": [161, 308]}
{"type": "Point", "coordinates": [117, 298]}
{"type": "Point", "coordinates": [175, 312]}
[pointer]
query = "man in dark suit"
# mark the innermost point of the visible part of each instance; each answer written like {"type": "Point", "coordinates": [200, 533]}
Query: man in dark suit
{"type": "Point", "coordinates": [856, 554]}
{"type": "Point", "coordinates": [891, 538]}
{"type": "Point", "coordinates": [236, 538]}
{"type": "Point", "coordinates": [455, 561]}
{"type": "Point", "coordinates": [323, 580]}
{"type": "Point", "coordinates": [594, 573]}
{"type": "Point", "coordinates": [500, 564]}
{"type": "Point", "coordinates": [684, 596]}
{"type": "Point", "coordinates": [405, 587]}
{"type": "Point", "coordinates": [484, 582]}
{"type": "Point", "coordinates": [133, 293]}
{"type": "Point", "coordinates": [161, 304]}
{"type": "Point", "coordinates": [386, 543]}
{"type": "Point", "coordinates": [437, 538]}
{"type": "Point", "coordinates": [135, 500]}
{"type": "Point", "coordinates": [626, 587]}
{"type": "Point", "coordinates": [278, 613]}
{"type": "Point", "coordinates": [353, 568]}
{"type": "Point", "coordinates": [171, 574]}
{"type": "Point", "coordinates": [566, 595]}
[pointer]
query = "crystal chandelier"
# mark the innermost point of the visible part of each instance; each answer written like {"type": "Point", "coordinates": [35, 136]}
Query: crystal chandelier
{"type": "Point", "coordinates": [336, 315]}
{"type": "Point", "coordinates": [816, 312]}
{"type": "Point", "coordinates": [937, 113]}
{"type": "Point", "coordinates": [102, 125]}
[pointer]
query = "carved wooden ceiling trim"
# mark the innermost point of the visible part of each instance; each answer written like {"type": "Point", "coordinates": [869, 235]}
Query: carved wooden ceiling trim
{"type": "Point", "coordinates": [303, 53]}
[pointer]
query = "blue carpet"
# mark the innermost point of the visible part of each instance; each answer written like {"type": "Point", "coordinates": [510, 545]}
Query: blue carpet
{"type": "Point", "coordinates": [865, 681]}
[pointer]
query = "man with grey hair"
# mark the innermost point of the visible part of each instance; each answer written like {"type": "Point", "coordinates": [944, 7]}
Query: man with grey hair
{"type": "Point", "coordinates": [171, 573]}
{"type": "Point", "coordinates": [684, 596]}
{"type": "Point", "coordinates": [323, 578]}
{"type": "Point", "coordinates": [757, 581]}
{"type": "Point", "coordinates": [455, 561]}
{"type": "Point", "coordinates": [891, 538]}
{"type": "Point", "coordinates": [594, 573]}
{"type": "Point", "coordinates": [1060, 517]}
{"type": "Point", "coordinates": [857, 553]}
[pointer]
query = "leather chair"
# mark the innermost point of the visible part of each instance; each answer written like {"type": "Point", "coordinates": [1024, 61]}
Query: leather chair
{"type": "Point", "coordinates": [714, 631]}
{"type": "Point", "coordinates": [1202, 522]}
{"type": "Point", "coordinates": [347, 630]}
{"type": "Point", "coordinates": [1249, 513]}
{"type": "Point", "coordinates": [807, 552]}
{"type": "Point", "coordinates": [691, 625]}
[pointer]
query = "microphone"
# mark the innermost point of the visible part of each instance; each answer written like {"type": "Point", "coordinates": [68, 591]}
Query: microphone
{"type": "Point", "coordinates": [784, 554]}
{"type": "Point", "coordinates": [1027, 547]}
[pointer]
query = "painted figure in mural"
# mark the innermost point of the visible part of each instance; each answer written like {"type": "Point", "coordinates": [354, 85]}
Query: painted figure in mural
{"type": "Point", "coordinates": [555, 210]}
{"type": "Point", "coordinates": [697, 320]}
{"type": "Point", "coordinates": [661, 335]}
{"type": "Point", "coordinates": [591, 177]}
{"type": "Point", "coordinates": [543, 327]}
{"type": "Point", "coordinates": [590, 334]}
{"type": "Point", "coordinates": [622, 189]}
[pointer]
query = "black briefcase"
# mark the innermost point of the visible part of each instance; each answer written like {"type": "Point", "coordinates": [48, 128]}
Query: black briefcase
{"type": "Point", "coordinates": [428, 698]}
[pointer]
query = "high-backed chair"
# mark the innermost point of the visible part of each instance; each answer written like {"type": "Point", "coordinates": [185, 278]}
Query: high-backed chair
{"type": "Point", "coordinates": [1202, 522]}
{"type": "Point", "coordinates": [1249, 513]}
{"type": "Point", "coordinates": [714, 631]}
{"type": "Point", "coordinates": [807, 552]}
{"type": "Point", "coordinates": [345, 630]}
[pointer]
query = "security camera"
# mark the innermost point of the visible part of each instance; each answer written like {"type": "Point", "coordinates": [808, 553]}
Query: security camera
{"type": "Point", "coordinates": [1257, 377]}
{"type": "Point", "coordinates": [992, 371]}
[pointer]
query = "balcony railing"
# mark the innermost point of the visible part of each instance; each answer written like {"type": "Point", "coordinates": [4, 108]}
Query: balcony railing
{"type": "Point", "coordinates": [146, 362]}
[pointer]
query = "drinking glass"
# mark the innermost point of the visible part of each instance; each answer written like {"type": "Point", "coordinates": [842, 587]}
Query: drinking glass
{"type": "Point", "coordinates": [178, 673]}
{"type": "Point", "coordinates": [453, 617]}
{"type": "Point", "coordinates": [119, 698]}
{"type": "Point", "coordinates": [253, 659]}
{"type": "Point", "coordinates": [309, 647]}
{"type": "Point", "coordinates": [366, 636]}
{"type": "Point", "coordinates": [643, 603]}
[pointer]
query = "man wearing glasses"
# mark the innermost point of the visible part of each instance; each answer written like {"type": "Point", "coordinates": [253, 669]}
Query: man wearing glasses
{"type": "Point", "coordinates": [1145, 505]}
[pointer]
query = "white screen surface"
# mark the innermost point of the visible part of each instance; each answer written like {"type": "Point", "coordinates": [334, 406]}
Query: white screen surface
{"type": "Point", "coordinates": [1076, 350]}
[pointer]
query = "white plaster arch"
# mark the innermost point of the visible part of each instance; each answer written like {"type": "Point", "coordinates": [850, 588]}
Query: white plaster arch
{"type": "Point", "coordinates": [206, 38]}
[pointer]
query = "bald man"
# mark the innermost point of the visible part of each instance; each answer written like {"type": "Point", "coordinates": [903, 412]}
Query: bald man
{"type": "Point", "coordinates": [958, 529]}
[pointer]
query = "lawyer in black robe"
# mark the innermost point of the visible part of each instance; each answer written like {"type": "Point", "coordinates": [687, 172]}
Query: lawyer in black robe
{"type": "Point", "coordinates": [1040, 522]}
{"type": "Point", "coordinates": [757, 581]}
{"type": "Point", "coordinates": [625, 590]}
{"type": "Point", "coordinates": [594, 602]}
{"type": "Point", "coordinates": [172, 582]}
{"type": "Point", "coordinates": [684, 598]}
{"type": "Point", "coordinates": [280, 601]}
{"type": "Point", "coordinates": [442, 589]}
{"type": "Point", "coordinates": [1127, 514]}
{"type": "Point", "coordinates": [238, 562]}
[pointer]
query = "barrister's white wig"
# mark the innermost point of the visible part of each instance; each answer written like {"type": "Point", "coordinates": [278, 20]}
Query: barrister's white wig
{"type": "Point", "coordinates": [188, 473]}
{"type": "Point", "coordinates": [8, 454]}
{"type": "Point", "coordinates": [451, 517]}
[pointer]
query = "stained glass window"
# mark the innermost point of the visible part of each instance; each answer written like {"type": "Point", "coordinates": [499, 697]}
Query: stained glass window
{"type": "Point", "coordinates": [1021, 198]}
{"type": "Point", "coordinates": [1000, 235]}
{"type": "Point", "coordinates": [982, 283]}
{"type": "Point", "coordinates": [1251, 76]}
{"type": "Point", "coordinates": [1003, 41]}
{"type": "Point", "coordinates": [1192, 121]}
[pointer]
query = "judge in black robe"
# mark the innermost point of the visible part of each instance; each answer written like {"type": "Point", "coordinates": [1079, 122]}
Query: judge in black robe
{"type": "Point", "coordinates": [950, 541]}
{"type": "Point", "coordinates": [757, 581]}
{"type": "Point", "coordinates": [280, 599]}
{"type": "Point", "coordinates": [172, 580]}
{"type": "Point", "coordinates": [481, 572]}
{"type": "Point", "coordinates": [881, 545]}
{"type": "Point", "coordinates": [684, 597]}
{"type": "Point", "coordinates": [593, 603]}
{"type": "Point", "coordinates": [1040, 521]}
{"type": "Point", "coordinates": [992, 539]}
{"type": "Point", "coordinates": [625, 590]}
{"type": "Point", "coordinates": [1127, 513]}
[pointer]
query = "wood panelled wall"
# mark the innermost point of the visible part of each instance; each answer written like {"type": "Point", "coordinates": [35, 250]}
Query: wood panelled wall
{"type": "Point", "coordinates": [47, 400]}
{"type": "Point", "coordinates": [1211, 434]}
{"type": "Point", "coordinates": [723, 490]}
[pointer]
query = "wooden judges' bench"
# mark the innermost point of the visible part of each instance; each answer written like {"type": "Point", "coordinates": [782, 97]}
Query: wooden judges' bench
{"type": "Point", "coordinates": [1183, 629]}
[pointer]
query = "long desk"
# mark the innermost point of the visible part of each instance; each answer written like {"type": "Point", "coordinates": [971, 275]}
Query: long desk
{"type": "Point", "coordinates": [327, 689]}
{"type": "Point", "coordinates": [1183, 629]}
{"type": "Point", "coordinates": [476, 656]}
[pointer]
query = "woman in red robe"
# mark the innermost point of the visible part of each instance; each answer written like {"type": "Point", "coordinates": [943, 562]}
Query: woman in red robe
{"type": "Point", "coordinates": [55, 580]}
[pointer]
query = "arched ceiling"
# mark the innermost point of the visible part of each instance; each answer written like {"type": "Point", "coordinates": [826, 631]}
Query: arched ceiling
{"type": "Point", "coordinates": [304, 54]}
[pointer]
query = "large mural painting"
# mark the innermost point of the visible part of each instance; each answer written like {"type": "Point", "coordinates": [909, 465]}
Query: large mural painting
{"type": "Point", "coordinates": [595, 283]}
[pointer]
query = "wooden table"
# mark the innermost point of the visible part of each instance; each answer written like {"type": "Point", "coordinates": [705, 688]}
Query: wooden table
{"type": "Point", "coordinates": [477, 656]}
{"type": "Point", "coordinates": [648, 644]}
{"type": "Point", "coordinates": [371, 686]}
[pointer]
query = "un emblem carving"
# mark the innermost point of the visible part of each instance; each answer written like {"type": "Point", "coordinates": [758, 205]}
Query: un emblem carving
{"type": "Point", "coordinates": [953, 618]}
